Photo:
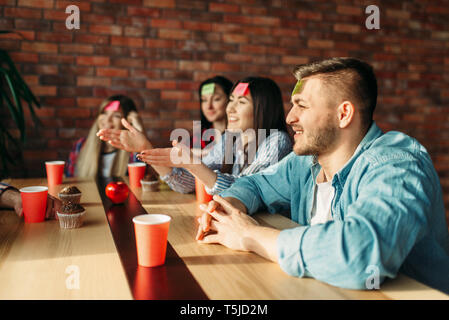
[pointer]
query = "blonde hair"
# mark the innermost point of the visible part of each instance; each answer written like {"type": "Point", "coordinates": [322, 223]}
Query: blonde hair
{"type": "Point", "coordinates": [87, 164]}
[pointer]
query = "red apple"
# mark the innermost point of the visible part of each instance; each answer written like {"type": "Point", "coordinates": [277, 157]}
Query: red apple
{"type": "Point", "coordinates": [117, 191]}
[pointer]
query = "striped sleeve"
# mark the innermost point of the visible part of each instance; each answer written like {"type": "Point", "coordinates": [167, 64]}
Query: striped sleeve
{"type": "Point", "coordinates": [181, 180]}
{"type": "Point", "coordinates": [275, 147]}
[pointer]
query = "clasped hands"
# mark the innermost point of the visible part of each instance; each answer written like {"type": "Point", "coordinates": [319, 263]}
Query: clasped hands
{"type": "Point", "coordinates": [221, 222]}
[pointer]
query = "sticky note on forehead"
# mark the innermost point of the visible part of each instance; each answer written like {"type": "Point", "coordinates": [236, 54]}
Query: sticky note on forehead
{"type": "Point", "coordinates": [241, 89]}
{"type": "Point", "coordinates": [208, 89]}
{"type": "Point", "coordinates": [298, 87]}
{"type": "Point", "coordinates": [113, 106]}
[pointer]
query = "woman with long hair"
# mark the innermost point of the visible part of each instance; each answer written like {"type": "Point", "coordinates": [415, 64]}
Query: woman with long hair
{"type": "Point", "coordinates": [255, 106]}
{"type": "Point", "coordinates": [92, 157]}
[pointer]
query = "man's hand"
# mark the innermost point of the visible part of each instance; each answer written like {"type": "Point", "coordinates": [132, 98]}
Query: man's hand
{"type": "Point", "coordinates": [230, 226]}
{"type": "Point", "coordinates": [131, 140]}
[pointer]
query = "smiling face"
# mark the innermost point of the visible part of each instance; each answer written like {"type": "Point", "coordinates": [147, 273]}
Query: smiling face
{"type": "Point", "coordinates": [110, 119]}
{"type": "Point", "coordinates": [214, 105]}
{"type": "Point", "coordinates": [313, 121]}
{"type": "Point", "coordinates": [240, 111]}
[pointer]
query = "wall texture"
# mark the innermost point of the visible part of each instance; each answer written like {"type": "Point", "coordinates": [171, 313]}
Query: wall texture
{"type": "Point", "coordinates": [158, 51]}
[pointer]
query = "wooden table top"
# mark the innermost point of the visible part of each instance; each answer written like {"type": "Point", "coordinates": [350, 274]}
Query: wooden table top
{"type": "Point", "coordinates": [41, 261]}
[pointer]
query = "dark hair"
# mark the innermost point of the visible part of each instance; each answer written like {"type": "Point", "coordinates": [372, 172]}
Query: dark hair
{"type": "Point", "coordinates": [346, 79]}
{"type": "Point", "coordinates": [267, 103]}
{"type": "Point", "coordinates": [225, 84]}
{"type": "Point", "coordinates": [126, 104]}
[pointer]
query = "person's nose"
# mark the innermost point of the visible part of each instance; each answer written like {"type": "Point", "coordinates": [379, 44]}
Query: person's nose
{"type": "Point", "coordinates": [292, 116]}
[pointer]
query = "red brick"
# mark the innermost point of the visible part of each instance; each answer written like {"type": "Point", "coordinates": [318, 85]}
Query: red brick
{"type": "Point", "coordinates": [127, 41]}
{"type": "Point", "coordinates": [166, 23]}
{"type": "Point", "coordinates": [188, 105]}
{"type": "Point", "coordinates": [159, 43]}
{"type": "Point", "coordinates": [106, 29]}
{"type": "Point", "coordinates": [194, 65]}
{"type": "Point", "coordinates": [128, 62]}
{"type": "Point", "coordinates": [268, 21]}
{"type": "Point", "coordinates": [93, 81]}
{"type": "Point", "coordinates": [54, 36]}
{"type": "Point", "coordinates": [93, 60]}
{"type": "Point", "coordinates": [235, 38]}
{"type": "Point", "coordinates": [176, 95]}
{"type": "Point", "coordinates": [57, 58]}
{"type": "Point", "coordinates": [134, 31]}
{"type": "Point", "coordinates": [40, 47]}
{"type": "Point", "coordinates": [309, 15]}
{"type": "Point", "coordinates": [43, 90]}
{"type": "Point", "coordinates": [76, 48]}
{"type": "Point", "coordinates": [58, 15]}
{"type": "Point", "coordinates": [112, 72]}
{"type": "Point", "coordinates": [324, 44]}
{"type": "Point", "coordinates": [31, 80]}
{"type": "Point", "coordinates": [82, 5]}
{"type": "Point", "coordinates": [59, 102]}
{"type": "Point", "coordinates": [90, 38]}
{"type": "Point", "coordinates": [145, 12]}
{"type": "Point", "coordinates": [162, 64]}
{"type": "Point", "coordinates": [237, 57]}
{"type": "Point", "coordinates": [348, 10]}
{"type": "Point", "coordinates": [223, 7]}
{"type": "Point", "coordinates": [347, 28]}
{"type": "Point", "coordinates": [294, 60]}
{"type": "Point", "coordinates": [89, 102]}
{"type": "Point", "coordinates": [46, 4]}
{"type": "Point", "coordinates": [24, 57]}
{"type": "Point", "coordinates": [22, 13]}
{"type": "Point", "coordinates": [159, 3]}
{"type": "Point", "coordinates": [224, 67]}
{"type": "Point", "coordinates": [398, 14]}
{"type": "Point", "coordinates": [174, 34]}
{"type": "Point", "coordinates": [161, 84]}
{"type": "Point", "coordinates": [196, 25]}
{"type": "Point", "coordinates": [45, 112]}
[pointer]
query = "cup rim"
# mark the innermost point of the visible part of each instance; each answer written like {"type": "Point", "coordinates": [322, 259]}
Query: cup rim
{"type": "Point", "coordinates": [149, 182]}
{"type": "Point", "coordinates": [33, 189]}
{"type": "Point", "coordinates": [137, 164]}
{"type": "Point", "coordinates": [145, 219]}
{"type": "Point", "coordinates": [57, 162]}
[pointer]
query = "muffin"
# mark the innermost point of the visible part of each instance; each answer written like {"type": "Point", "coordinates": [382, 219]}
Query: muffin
{"type": "Point", "coordinates": [70, 194]}
{"type": "Point", "coordinates": [71, 215]}
{"type": "Point", "coordinates": [151, 181]}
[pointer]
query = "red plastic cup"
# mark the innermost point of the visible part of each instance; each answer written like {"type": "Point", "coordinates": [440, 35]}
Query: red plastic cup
{"type": "Point", "coordinates": [34, 203]}
{"type": "Point", "coordinates": [151, 238]}
{"type": "Point", "coordinates": [201, 195]}
{"type": "Point", "coordinates": [136, 173]}
{"type": "Point", "coordinates": [55, 170]}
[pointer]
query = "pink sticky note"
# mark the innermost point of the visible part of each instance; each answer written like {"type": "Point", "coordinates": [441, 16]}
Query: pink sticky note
{"type": "Point", "coordinates": [114, 106]}
{"type": "Point", "coordinates": [241, 89]}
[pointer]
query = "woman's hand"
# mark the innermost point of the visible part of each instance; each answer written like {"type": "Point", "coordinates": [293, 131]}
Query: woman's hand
{"type": "Point", "coordinates": [178, 156]}
{"type": "Point", "coordinates": [134, 120]}
{"type": "Point", "coordinates": [131, 140]}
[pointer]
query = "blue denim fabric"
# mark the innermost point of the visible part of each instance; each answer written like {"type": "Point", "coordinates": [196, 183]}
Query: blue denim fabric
{"type": "Point", "coordinates": [388, 214]}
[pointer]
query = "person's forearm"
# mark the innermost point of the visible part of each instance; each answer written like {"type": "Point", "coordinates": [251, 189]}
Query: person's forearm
{"type": "Point", "coordinates": [9, 198]}
{"type": "Point", "coordinates": [162, 171]}
{"type": "Point", "coordinates": [202, 172]}
{"type": "Point", "coordinates": [263, 241]}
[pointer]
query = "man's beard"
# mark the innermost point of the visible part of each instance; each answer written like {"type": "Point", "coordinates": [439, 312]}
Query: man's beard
{"type": "Point", "coordinates": [316, 142]}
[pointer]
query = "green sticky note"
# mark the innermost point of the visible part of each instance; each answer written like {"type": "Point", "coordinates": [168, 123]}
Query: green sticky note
{"type": "Point", "coordinates": [208, 89]}
{"type": "Point", "coordinates": [297, 88]}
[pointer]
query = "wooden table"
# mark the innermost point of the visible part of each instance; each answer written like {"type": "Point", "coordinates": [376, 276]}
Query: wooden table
{"type": "Point", "coordinates": [42, 261]}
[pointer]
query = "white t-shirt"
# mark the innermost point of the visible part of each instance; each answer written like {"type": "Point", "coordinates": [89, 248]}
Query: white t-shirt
{"type": "Point", "coordinates": [106, 163]}
{"type": "Point", "coordinates": [321, 211]}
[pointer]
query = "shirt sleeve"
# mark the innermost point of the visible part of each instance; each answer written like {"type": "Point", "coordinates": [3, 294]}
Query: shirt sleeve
{"type": "Point", "coordinates": [273, 148]}
{"type": "Point", "coordinates": [268, 189]}
{"type": "Point", "coordinates": [379, 229]}
{"type": "Point", "coordinates": [4, 187]}
{"type": "Point", "coordinates": [73, 157]}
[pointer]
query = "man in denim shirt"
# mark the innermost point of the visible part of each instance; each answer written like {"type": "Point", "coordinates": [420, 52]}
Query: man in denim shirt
{"type": "Point", "coordinates": [366, 201]}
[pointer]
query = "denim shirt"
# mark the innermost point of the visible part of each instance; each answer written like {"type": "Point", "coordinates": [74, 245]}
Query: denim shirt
{"type": "Point", "coordinates": [387, 214]}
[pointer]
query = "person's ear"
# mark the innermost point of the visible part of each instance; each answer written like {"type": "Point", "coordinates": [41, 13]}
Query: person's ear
{"type": "Point", "coordinates": [345, 112]}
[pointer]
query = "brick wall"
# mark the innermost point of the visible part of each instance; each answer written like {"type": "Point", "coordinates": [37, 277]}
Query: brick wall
{"type": "Point", "coordinates": [158, 51]}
